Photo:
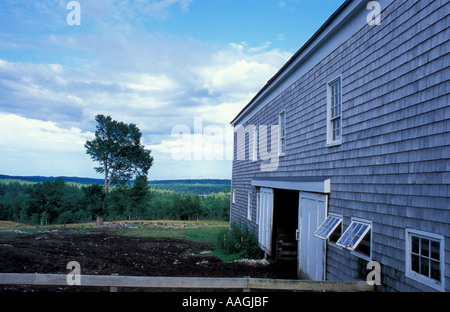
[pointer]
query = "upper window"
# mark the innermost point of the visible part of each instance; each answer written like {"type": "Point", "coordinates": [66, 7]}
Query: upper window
{"type": "Point", "coordinates": [282, 136]}
{"type": "Point", "coordinates": [357, 238]}
{"type": "Point", "coordinates": [255, 145]}
{"type": "Point", "coordinates": [249, 207]}
{"type": "Point", "coordinates": [424, 258]}
{"type": "Point", "coordinates": [334, 112]}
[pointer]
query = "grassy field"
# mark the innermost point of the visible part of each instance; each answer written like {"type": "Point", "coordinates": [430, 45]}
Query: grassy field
{"type": "Point", "coordinates": [10, 225]}
{"type": "Point", "coordinates": [205, 231]}
{"type": "Point", "coordinates": [200, 231]}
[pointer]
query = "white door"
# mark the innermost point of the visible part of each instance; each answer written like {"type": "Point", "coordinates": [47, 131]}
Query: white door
{"type": "Point", "coordinates": [265, 219]}
{"type": "Point", "coordinates": [312, 211]}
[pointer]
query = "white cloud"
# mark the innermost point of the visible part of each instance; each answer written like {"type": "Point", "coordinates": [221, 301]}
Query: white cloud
{"type": "Point", "coordinates": [37, 147]}
{"type": "Point", "coordinates": [22, 134]}
{"type": "Point", "coordinates": [146, 78]}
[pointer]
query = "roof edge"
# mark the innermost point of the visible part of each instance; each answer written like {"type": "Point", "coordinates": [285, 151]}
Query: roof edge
{"type": "Point", "coordinates": [293, 58]}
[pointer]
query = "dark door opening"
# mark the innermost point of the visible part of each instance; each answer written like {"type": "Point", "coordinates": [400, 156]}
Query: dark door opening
{"type": "Point", "coordinates": [285, 223]}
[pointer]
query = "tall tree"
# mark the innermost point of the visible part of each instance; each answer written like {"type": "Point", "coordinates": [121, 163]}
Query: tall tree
{"type": "Point", "coordinates": [117, 148]}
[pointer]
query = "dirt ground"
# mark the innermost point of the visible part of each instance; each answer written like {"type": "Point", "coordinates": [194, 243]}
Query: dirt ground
{"type": "Point", "coordinates": [101, 252]}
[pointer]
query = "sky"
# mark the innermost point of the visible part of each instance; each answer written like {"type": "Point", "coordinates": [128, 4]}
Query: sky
{"type": "Point", "coordinates": [180, 70]}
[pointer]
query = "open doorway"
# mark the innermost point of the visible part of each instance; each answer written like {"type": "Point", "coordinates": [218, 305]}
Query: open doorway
{"type": "Point", "coordinates": [285, 224]}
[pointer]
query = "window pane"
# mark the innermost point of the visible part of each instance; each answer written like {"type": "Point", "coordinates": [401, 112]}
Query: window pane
{"type": "Point", "coordinates": [345, 238]}
{"type": "Point", "coordinates": [435, 272]}
{"type": "Point", "coordinates": [425, 247]}
{"type": "Point", "coordinates": [424, 266]}
{"type": "Point", "coordinates": [415, 244]}
{"type": "Point", "coordinates": [353, 234]}
{"type": "Point", "coordinates": [336, 128]}
{"type": "Point", "coordinates": [415, 263]}
{"type": "Point", "coordinates": [435, 250]}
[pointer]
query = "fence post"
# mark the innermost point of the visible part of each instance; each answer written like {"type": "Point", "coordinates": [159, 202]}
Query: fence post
{"type": "Point", "coordinates": [113, 288]}
{"type": "Point", "coordinates": [247, 278]}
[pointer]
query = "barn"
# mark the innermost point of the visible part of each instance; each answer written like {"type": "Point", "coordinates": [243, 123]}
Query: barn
{"type": "Point", "coordinates": [344, 152]}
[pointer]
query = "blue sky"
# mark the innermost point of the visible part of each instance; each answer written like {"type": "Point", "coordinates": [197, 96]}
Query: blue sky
{"type": "Point", "coordinates": [160, 64]}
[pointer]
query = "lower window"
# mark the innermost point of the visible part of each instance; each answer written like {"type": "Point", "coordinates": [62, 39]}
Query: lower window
{"type": "Point", "coordinates": [424, 258]}
{"type": "Point", "coordinates": [357, 238]}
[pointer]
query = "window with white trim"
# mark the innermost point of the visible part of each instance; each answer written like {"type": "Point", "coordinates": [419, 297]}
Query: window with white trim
{"type": "Point", "coordinates": [282, 133]}
{"type": "Point", "coordinates": [330, 229]}
{"type": "Point", "coordinates": [255, 145]}
{"type": "Point", "coordinates": [258, 206]}
{"type": "Point", "coordinates": [249, 207]}
{"type": "Point", "coordinates": [357, 238]}
{"type": "Point", "coordinates": [334, 112]}
{"type": "Point", "coordinates": [425, 258]}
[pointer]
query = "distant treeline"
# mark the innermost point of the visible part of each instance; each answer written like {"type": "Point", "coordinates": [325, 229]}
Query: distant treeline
{"type": "Point", "coordinates": [200, 187]}
{"type": "Point", "coordinates": [61, 202]}
{"type": "Point", "coordinates": [195, 186]}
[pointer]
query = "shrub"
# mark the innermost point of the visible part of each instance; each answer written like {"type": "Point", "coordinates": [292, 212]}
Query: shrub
{"type": "Point", "coordinates": [240, 241]}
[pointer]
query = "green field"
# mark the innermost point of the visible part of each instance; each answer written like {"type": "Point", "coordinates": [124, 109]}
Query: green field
{"type": "Point", "coordinates": [203, 231]}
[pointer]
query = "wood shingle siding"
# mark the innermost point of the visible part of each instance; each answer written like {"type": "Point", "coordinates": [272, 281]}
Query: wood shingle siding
{"type": "Point", "coordinates": [393, 165]}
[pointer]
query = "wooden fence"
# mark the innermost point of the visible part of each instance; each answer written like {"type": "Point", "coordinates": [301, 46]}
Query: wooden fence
{"type": "Point", "coordinates": [243, 283]}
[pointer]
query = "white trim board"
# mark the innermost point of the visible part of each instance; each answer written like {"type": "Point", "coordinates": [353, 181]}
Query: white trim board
{"type": "Point", "coordinates": [314, 185]}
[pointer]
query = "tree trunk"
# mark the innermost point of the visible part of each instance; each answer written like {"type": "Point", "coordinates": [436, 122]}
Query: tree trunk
{"type": "Point", "coordinates": [99, 221]}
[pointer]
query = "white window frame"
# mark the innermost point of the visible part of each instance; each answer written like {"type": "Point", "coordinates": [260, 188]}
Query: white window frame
{"type": "Point", "coordinates": [249, 206]}
{"type": "Point", "coordinates": [423, 279]}
{"type": "Point", "coordinates": [282, 134]}
{"type": "Point", "coordinates": [233, 197]}
{"type": "Point", "coordinates": [330, 119]}
{"type": "Point", "coordinates": [255, 145]}
{"type": "Point", "coordinates": [356, 244]}
{"type": "Point", "coordinates": [258, 206]}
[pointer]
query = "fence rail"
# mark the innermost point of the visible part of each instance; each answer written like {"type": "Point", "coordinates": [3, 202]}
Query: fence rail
{"type": "Point", "coordinates": [243, 283]}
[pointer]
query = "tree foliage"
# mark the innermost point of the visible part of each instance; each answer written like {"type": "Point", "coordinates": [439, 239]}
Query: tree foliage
{"type": "Point", "coordinates": [118, 150]}
{"type": "Point", "coordinates": [59, 202]}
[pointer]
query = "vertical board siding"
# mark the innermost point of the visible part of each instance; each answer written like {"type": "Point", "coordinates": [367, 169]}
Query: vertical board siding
{"type": "Point", "coordinates": [393, 164]}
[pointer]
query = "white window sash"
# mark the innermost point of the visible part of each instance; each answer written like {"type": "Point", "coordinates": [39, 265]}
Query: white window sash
{"type": "Point", "coordinates": [330, 230]}
{"type": "Point", "coordinates": [249, 207]}
{"type": "Point", "coordinates": [424, 279]}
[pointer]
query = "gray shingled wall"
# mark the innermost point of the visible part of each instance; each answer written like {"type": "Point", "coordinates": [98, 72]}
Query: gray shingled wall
{"type": "Point", "coordinates": [393, 165]}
